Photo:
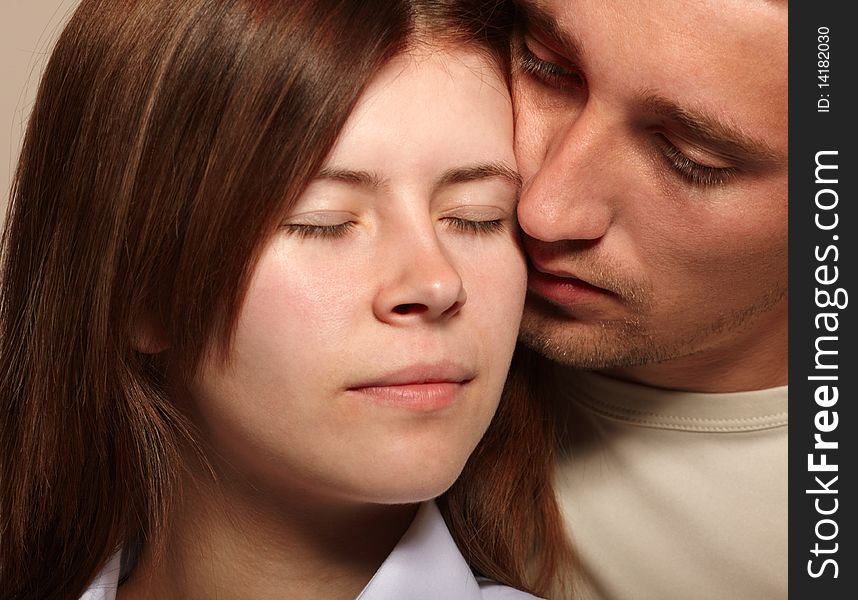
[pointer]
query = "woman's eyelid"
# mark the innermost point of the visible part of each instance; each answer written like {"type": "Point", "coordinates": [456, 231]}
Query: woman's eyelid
{"type": "Point", "coordinates": [320, 218]}
{"type": "Point", "coordinates": [479, 212]}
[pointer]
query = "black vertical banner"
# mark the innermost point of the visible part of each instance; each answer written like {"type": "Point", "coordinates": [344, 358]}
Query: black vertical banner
{"type": "Point", "coordinates": [823, 180]}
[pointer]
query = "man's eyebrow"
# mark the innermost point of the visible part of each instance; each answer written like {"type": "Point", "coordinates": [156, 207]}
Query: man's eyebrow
{"type": "Point", "coordinates": [712, 132]}
{"type": "Point", "coordinates": [531, 15]}
{"type": "Point", "coordinates": [477, 172]}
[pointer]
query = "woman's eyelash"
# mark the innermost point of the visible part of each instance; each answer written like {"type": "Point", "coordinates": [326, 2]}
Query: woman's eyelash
{"type": "Point", "coordinates": [336, 231]}
{"type": "Point", "coordinates": [547, 72]}
{"type": "Point", "coordinates": [694, 172]}
{"type": "Point", "coordinates": [319, 231]}
{"type": "Point", "coordinates": [476, 227]}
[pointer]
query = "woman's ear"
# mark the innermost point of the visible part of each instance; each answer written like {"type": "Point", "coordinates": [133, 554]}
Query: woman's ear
{"type": "Point", "coordinates": [149, 335]}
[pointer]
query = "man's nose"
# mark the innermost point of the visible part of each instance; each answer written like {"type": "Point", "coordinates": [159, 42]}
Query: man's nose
{"type": "Point", "coordinates": [420, 283]}
{"type": "Point", "coordinates": [573, 191]}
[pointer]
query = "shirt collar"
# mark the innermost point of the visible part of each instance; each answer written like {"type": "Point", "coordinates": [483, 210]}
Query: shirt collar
{"type": "Point", "coordinates": [104, 586]}
{"type": "Point", "coordinates": [425, 565]}
{"type": "Point", "coordinates": [645, 406]}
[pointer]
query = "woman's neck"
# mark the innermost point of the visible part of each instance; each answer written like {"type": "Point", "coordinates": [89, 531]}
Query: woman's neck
{"type": "Point", "coordinates": [236, 542]}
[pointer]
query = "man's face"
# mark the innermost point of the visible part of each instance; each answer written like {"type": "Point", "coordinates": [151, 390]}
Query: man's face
{"type": "Point", "coordinates": [652, 138]}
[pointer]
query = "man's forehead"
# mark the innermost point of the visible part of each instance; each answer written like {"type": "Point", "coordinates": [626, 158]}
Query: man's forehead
{"type": "Point", "coordinates": [558, 9]}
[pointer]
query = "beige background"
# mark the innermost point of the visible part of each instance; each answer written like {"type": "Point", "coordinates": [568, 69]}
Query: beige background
{"type": "Point", "coordinates": [28, 29]}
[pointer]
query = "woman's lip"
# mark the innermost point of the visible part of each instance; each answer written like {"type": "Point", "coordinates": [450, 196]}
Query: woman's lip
{"type": "Point", "coordinates": [422, 387]}
{"type": "Point", "coordinates": [435, 372]}
{"type": "Point", "coordinates": [562, 290]}
{"type": "Point", "coordinates": [422, 397]}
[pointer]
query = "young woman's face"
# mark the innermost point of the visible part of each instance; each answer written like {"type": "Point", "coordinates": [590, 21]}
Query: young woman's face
{"type": "Point", "coordinates": [375, 337]}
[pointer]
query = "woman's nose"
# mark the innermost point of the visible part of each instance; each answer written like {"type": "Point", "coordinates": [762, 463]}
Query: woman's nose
{"type": "Point", "coordinates": [420, 283]}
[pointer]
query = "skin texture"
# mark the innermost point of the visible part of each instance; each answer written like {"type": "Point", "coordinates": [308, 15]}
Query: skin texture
{"type": "Point", "coordinates": [689, 265]}
{"type": "Point", "coordinates": [380, 266]}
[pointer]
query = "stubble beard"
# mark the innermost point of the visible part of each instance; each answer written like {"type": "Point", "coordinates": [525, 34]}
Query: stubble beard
{"type": "Point", "coordinates": [601, 345]}
{"type": "Point", "coordinates": [611, 344]}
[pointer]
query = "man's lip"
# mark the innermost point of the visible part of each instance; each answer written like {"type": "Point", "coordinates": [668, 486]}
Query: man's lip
{"type": "Point", "coordinates": [420, 374]}
{"type": "Point", "coordinates": [562, 288]}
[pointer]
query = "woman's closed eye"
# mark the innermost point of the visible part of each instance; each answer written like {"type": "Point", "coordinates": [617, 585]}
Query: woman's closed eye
{"type": "Point", "coordinates": [318, 231]}
{"type": "Point", "coordinates": [476, 226]}
{"type": "Point", "coordinates": [477, 219]}
{"type": "Point", "coordinates": [319, 225]}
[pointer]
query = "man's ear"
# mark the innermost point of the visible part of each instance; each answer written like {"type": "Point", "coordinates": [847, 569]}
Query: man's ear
{"type": "Point", "coordinates": [149, 335]}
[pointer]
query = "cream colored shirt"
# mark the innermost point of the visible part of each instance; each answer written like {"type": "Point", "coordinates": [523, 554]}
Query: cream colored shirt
{"type": "Point", "coordinates": [675, 495]}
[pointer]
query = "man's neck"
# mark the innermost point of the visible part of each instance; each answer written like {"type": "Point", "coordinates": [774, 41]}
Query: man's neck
{"type": "Point", "coordinates": [754, 361]}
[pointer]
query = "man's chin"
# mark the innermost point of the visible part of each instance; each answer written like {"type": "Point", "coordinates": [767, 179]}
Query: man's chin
{"type": "Point", "coordinates": [585, 344]}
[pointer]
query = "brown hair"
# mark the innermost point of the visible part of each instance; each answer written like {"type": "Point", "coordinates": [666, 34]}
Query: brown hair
{"type": "Point", "coordinates": [502, 510]}
{"type": "Point", "coordinates": [166, 139]}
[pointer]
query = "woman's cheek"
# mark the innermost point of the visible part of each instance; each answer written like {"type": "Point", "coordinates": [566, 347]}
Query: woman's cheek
{"type": "Point", "coordinates": [319, 279]}
{"type": "Point", "coordinates": [495, 277]}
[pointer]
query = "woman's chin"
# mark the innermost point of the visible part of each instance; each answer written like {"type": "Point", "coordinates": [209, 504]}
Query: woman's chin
{"type": "Point", "coordinates": [407, 484]}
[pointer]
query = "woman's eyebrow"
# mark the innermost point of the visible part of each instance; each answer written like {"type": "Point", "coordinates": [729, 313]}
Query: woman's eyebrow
{"type": "Point", "coordinates": [463, 174]}
{"type": "Point", "coordinates": [479, 171]}
{"type": "Point", "coordinates": [367, 179]}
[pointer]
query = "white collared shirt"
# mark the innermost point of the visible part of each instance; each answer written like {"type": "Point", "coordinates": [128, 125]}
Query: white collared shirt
{"type": "Point", "coordinates": [425, 565]}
